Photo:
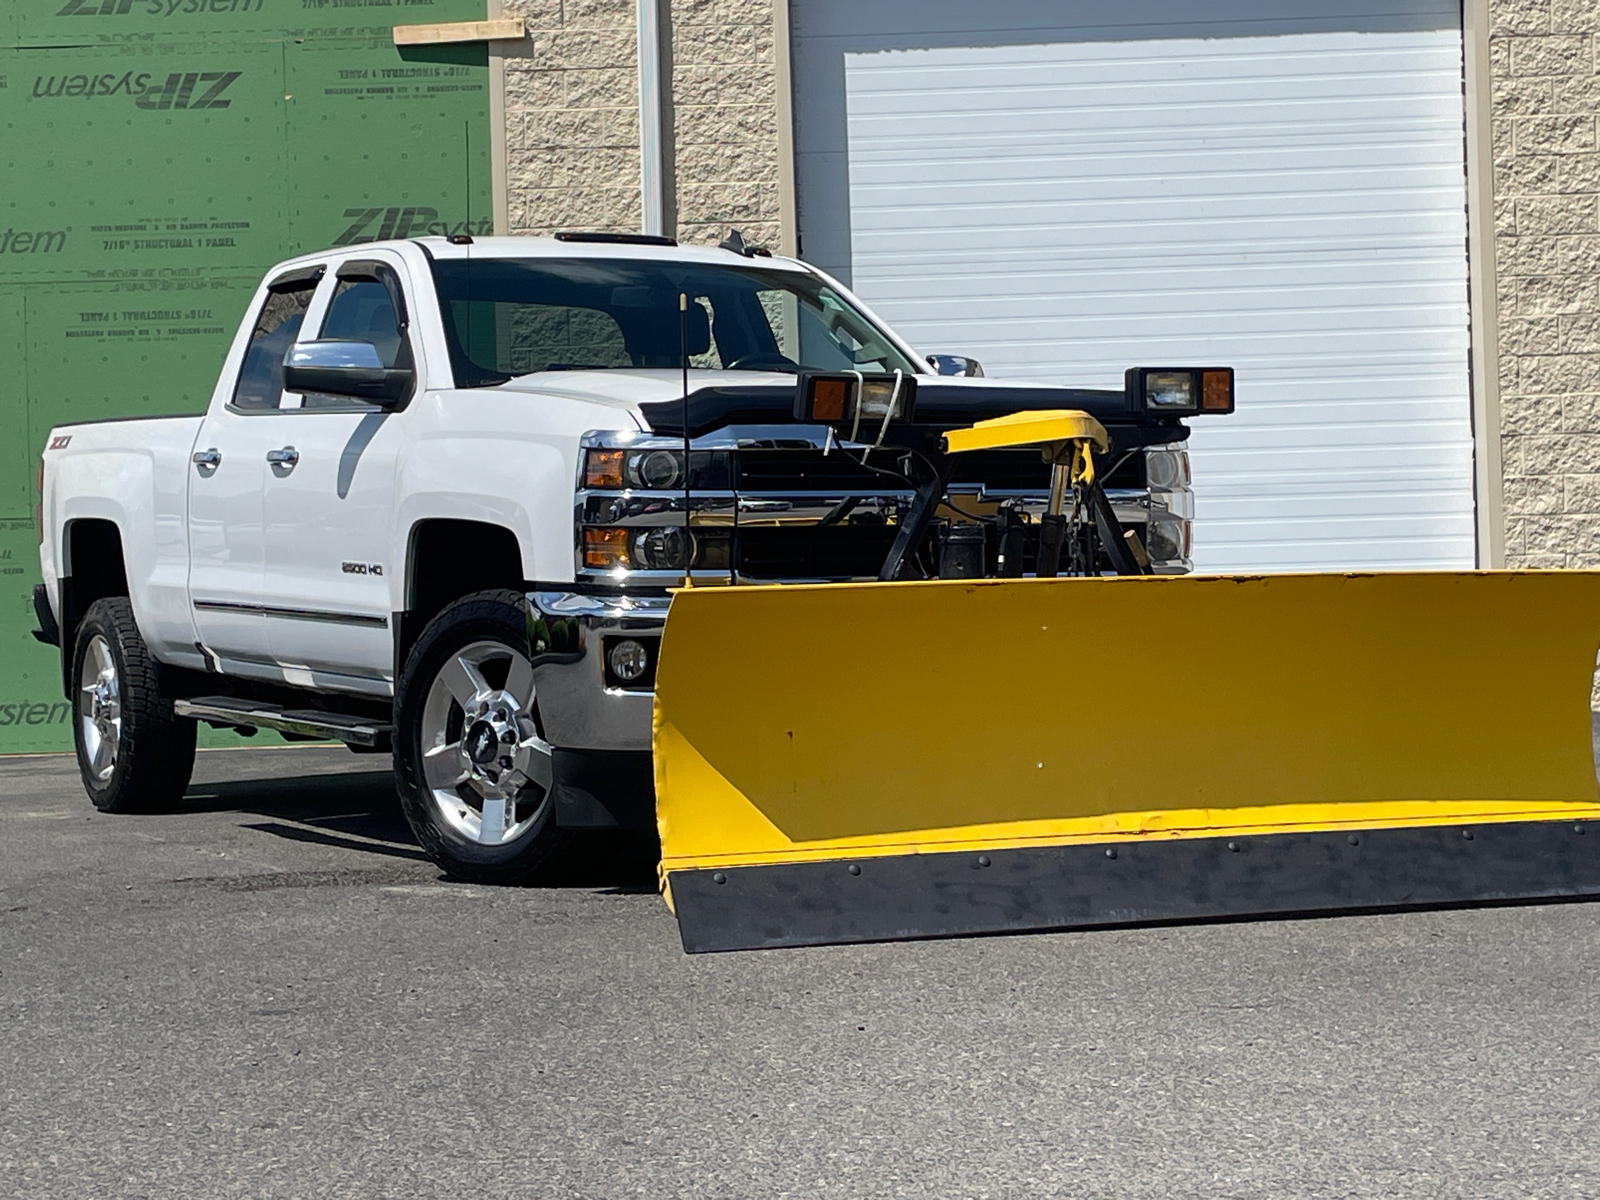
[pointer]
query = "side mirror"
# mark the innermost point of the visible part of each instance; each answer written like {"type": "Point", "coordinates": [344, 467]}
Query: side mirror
{"type": "Point", "coordinates": [955, 364]}
{"type": "Point", "coordinates": [335, 367]}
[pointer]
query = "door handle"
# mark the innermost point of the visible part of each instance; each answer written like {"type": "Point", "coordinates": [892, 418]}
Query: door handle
{"type": "Point", "coordinates": [287, 457]}
{"type": "Point", "coordinates": [207, 458]}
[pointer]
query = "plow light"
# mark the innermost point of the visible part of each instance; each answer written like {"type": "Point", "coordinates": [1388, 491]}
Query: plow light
{"type": "Point", "coordinates": [1180, 391]}
{"type": "Point", "coordinates": [849, 401]}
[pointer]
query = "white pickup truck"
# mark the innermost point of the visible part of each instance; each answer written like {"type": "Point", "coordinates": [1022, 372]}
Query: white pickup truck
{"type": "Point", "coordinates": [443, 488]}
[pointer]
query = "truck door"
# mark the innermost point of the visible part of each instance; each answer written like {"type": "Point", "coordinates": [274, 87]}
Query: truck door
{"type": "Point", "coordinates": [227, 473]}
{"type": "Point", "coordinates": [329, 503]}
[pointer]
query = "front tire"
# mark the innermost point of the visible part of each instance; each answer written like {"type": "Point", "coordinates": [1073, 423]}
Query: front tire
{"type": "Point", "coordinates": [473, 772]}
{"type": "Point", "coordinates": [134, 753]}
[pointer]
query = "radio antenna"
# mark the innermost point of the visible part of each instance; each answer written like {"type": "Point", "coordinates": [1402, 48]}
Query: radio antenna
{"type": "Point", "coordinates": [683, 359]}
{"type": "Point", "coordinates": [466, 137]}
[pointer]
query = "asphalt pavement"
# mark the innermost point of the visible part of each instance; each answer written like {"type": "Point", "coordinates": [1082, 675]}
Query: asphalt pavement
{"type": "Point", "coordinates": [270, 992]}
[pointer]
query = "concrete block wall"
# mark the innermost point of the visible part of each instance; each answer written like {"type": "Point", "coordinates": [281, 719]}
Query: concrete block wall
{"type": "Point", "coordinates": [725, 102]}
{"type": "Point", "coordinates": [572, 117]}
{"type": "Point", "coordinates": [1546, 94]}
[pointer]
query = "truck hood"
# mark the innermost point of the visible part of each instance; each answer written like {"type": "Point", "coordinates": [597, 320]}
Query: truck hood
{"type": "Point", "coordinates": [629, 388]}
{"type": "Point", "coordinates": [718, 398]}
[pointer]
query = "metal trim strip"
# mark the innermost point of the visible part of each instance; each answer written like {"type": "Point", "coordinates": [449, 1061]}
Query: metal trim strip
{"type": "Point", "coordinates": [294, 614]}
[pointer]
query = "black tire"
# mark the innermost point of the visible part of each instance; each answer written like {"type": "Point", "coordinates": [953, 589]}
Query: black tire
{"type": "Point", "coordinates": [152, 755]}
{"type": "Point", "coordinates": [537, 852]}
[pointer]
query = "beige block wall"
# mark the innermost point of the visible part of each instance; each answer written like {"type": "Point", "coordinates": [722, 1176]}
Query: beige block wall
{"type": "Point", "coordinates": [572, 117]}
{"type": "Point", "coordinates": [1546, 94]}
{"type": "Point", "coordinates": [725, 102]}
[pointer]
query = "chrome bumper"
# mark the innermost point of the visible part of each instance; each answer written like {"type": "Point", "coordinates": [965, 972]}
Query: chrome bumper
{"type": "Point", "coordinates": [576, 707]}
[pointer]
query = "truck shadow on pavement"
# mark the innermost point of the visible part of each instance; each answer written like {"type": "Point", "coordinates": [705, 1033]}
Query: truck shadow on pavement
{"type": "Point", "coordinates": [359, 812]}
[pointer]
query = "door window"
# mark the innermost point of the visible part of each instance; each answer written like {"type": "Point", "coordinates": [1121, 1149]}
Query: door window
{"type": "Point", "coordinates": [260, 385]}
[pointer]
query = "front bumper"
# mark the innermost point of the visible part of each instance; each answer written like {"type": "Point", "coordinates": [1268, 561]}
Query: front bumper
{"type": "Point", "coordinates": [576, 707]}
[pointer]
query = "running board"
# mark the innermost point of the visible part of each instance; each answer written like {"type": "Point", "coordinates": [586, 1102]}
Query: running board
{"type": "Point", "coordinates": [234, 713]}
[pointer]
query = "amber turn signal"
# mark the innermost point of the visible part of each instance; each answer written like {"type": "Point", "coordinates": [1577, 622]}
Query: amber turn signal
{"type": "Point", "coordinates": [605, 549]}
{"type": "Point", "coordinates": [603, 469]}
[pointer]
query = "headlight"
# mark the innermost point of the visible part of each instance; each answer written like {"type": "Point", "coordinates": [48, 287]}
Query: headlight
{"type": "Point", "coordinates": [1167, 538]}
{"type": "Point", "coordinates": [657, 470]}
{"type": "Point", "coordinates": [1166, 469]}
{"type": "Point", "coordinates": [612, 470]}
{"type": "Point", "coordinates": [662, 548]}
{"type": "Point", "coordinates": [654, 470]}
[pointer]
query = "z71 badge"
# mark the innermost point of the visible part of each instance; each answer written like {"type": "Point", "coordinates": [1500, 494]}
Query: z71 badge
{"type": "Point", "coordinates": [350, 568]}
{"type": "Point", "coordinates": [59, 442]}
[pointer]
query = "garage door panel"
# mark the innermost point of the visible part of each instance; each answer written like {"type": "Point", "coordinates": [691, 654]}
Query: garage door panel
{"type": "Point", "coordinates": [1415, 304]}
{"type": "Point", "coordinates": [1408, 216]}
{"type": "Point", "coordinates": [1308, 248]}
{"type": "Point", "coordinates": [1105, 112]}
{"type": "Point", "coordinates": [822, 32]}
{"type": "Point", "coordinates": [1018, 280]}
{"type": "Point", "coordinates": [1187, 337]}
{"type": "Point", "coordinates": [1066, 193]}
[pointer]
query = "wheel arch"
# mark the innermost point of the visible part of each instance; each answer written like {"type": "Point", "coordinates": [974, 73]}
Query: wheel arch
{"type": "Point", "coordinates": [94, 566]}
{"type": "Point", "coordinates": [448, 558]}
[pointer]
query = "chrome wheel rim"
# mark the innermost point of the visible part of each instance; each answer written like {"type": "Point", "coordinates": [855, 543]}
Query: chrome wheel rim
{"type": "Point", "coordinates": [487, 770]}
{"type": "Point", "coordinates": [99, 709]}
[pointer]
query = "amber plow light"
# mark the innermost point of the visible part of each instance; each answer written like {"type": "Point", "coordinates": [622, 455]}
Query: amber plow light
{"type": "Point", "coordinates": [1216, 391]}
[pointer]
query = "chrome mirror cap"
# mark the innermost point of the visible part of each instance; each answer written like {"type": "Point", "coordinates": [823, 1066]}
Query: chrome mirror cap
{"type": "Point", "coordinates": [334, 353]}
{"type": "Point", "coordinates": [955, 364]}
{"type": "Point", "coordinates": [335, 367]}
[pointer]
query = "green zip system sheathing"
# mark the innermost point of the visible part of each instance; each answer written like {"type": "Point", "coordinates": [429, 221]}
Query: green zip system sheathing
{"type": "Point", "coordinates": [158, 156]}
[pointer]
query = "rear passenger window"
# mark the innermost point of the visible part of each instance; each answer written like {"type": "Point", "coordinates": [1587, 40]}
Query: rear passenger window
{"type": "Point", "coordinates": [556, 337]}
{"type": "Point", "coordinates": [260, 385]}
{"type": "Point", "coordinates": [524, 338]}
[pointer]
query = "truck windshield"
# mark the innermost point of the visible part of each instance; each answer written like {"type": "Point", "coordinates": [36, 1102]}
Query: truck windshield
{"type": "Point", "coordinates": [510, 317]}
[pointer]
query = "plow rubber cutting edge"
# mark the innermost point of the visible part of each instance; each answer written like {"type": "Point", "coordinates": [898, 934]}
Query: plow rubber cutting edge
{"type": "Point", "coordinates": [862, 762]}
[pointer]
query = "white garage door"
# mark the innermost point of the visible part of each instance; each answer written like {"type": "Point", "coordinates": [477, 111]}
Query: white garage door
{"type": "Point", "coordinates": [1288, 203]}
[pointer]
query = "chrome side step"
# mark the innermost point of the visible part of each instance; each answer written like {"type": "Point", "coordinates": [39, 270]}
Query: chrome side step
{"type": "Point", "coordinates": [235, 713]}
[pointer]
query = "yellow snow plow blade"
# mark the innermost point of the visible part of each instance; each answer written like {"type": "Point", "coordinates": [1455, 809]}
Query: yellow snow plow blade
{"type": "Point", "coordinates": [859, 762]}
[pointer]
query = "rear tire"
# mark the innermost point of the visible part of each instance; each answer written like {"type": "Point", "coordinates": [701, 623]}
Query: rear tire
{"type": "Point", "coordinates": [134, 753]}
{"type": "Point", "coordinates": [471, 767]}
